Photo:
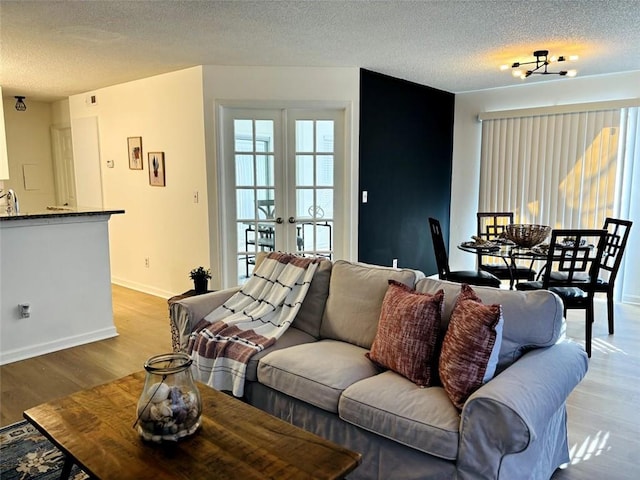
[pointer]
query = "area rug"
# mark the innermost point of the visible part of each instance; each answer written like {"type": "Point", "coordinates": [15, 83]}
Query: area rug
{"type": "Point", "coordinates": [25, 454]}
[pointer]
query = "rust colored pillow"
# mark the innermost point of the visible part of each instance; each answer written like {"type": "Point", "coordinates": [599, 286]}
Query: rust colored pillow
{"type": "Point", "coordinates": [407, 333]}
{"type": "Point", "coordinates": [470, 347]}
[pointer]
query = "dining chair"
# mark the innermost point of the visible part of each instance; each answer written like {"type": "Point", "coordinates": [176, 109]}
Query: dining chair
{"type": "Point", "coordinates": [615, 244]}
{"type": "Point", "coordinates": [471, 277]}
{"type": "Point", "coordinates": [490, 226]}
{"type": "Point", "coordinates": [576, 255]}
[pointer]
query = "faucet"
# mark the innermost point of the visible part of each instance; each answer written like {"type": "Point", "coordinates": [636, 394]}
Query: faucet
{"type": "Point", "coordinates": [12, 201]}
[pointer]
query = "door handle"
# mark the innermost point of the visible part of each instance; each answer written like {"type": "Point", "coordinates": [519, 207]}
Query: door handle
{"type": "Point", "coordinates": [279, 220]}
{"type": "Point", "coordinates": [292, 220]}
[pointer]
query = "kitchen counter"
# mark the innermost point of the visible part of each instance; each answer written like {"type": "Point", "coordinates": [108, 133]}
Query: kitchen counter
{"type": "Point", "coordinates": [58, 212]}
{"type": "Point", "coordinates": [55, 279]}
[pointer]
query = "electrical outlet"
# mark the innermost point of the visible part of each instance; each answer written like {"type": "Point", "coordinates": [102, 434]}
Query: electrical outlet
{"type": "Point", "coordinates": [146, 262]}
{"type": "Point", "coordinates": [25, 310]}
{"type": "Point", "coordinates": [196, 196]}
{"type": "Point", "coordinates": [395, 263]}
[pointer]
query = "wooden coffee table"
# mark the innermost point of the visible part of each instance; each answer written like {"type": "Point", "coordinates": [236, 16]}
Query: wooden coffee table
{"type": "Point", "coordinates": [94, 428]}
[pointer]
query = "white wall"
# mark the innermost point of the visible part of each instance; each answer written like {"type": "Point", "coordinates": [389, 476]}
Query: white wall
{"type": "Point", "coordinates": [283, 86]}
{"type": "Point", "coordinates": [175, 114]}
{"type": "Point", "coordinates": [60, 114]}
{"type": "Point", "coordinates": [29, 143]}
{"type": "Point", "coordinates": [160, 223]}
{"type": "Point", "coordinates": [467, 144]}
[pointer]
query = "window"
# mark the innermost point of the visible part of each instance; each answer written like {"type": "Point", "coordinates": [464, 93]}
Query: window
{"type": "Point", "coordinates": [569, 170]}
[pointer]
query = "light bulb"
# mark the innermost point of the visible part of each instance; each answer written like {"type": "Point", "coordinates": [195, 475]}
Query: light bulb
{"type": "Point", "coordinates": [572, 73]}
{"type": "Point", "coordinates": [504, 67]}
{"type": "Point", "coordinates": [573, 58]}
{"type": "Point", "coordinates": [517, 73]}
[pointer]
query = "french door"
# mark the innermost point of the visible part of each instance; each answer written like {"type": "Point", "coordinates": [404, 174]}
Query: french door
{"type": "Point", "coordinates": [282, 184]}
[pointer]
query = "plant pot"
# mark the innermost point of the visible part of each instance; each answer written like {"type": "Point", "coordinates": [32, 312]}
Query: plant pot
{"type": "Point", "coordinates": [201, 285]}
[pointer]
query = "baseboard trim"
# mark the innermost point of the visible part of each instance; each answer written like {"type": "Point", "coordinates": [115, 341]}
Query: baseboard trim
{"type": "Point", "coordinates": [53, 346]}
{"type": "Point", "coordinates": [156, 292]}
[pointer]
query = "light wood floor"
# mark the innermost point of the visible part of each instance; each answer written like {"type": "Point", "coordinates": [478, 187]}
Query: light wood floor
{"type": "Point", "coordinates": [604, 421]}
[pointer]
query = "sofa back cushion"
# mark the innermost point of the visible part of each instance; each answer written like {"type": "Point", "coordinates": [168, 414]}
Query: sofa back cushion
{"type": "Point", "coordinates": [356, 291]}
{"type": "Point", "coordinates": [532, 319]}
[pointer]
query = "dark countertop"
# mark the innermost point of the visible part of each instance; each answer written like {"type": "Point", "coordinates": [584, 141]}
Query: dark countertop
{"type": "Point", "coordinates": [57, 212]}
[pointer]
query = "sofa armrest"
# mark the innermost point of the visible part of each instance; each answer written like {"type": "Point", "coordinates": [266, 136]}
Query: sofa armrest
{"type": "Point", "coordinates": [186, 313]}
{"type": "Point", "coordinates": [513, 410]}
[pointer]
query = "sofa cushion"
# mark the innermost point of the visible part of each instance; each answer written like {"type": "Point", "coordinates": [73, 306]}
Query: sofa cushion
{"type": "Point", "coordinates": [316, 373]}
{"type": "Point", "coordinates": [470, 347]}
{"type": "Point", "coordinates": [309, 317]}
{"type": "Point", "coordinates": [395, 408]}
{"type": "Point", "coordinates": [355, 298]}
{"type": "Point", "coordinates": [531, 319]}
{"type": "Point", "coordinates": [292, 336]}
{"type": "Point", "coordinates": [407, 333]}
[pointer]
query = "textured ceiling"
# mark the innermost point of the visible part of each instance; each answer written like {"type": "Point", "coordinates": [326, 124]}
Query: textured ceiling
{"type": "Point", "coordinates": [53, 49]}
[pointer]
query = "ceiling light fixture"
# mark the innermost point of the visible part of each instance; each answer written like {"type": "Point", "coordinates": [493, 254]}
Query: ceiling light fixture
{"type": "Point", "coordinates": [20, 106]}
{"type": "Point", "coordinates": [541, 63]}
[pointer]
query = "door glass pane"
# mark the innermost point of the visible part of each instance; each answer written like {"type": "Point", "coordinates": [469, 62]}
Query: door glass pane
{"type": "Point", "coordinates": [324, 170]}
{"type": "Point", "coordinates": [304, 203]}
{"type": "Point", "coordinates": [305, 236]}
{"type": "Point", "coordinates": [304, 170]}
{"type": "Point", "coordinates": [324, 136]}
{"type": "Point", "coordinates": [324, 199]}
{"type": "Point", "coordinates": [265, 205]}
{"type": "Point", "coordinates": [243, 135]}
{"type": "Point", "coordinates": [244, 170]}
{"type": "Point", "coordinates": [324, 236]}
{"type": "Point", "coordinates": [243, 232]}
{"type": "Point", "coordinates": [264, 171]}
{"type": "Point", "coordinates": [304, 136]}
{"type": "Point", "coordinates": [264, 136]}
{"type": "Point", "coordinates": [245, 204]}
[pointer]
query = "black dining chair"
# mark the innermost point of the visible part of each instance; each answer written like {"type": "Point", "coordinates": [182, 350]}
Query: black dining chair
{"type": "Point", "coordinates": [472, 277]}
{"type": "Point", "coordinates": [490, 227]}
{"type": "Point", "coordinates": [575, 255]}
{"type": "Point", "coordinates": [615, 244]}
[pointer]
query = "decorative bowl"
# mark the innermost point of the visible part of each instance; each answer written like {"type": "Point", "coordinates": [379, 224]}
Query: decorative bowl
{"type": "Point", "coordinates": [527, 235]}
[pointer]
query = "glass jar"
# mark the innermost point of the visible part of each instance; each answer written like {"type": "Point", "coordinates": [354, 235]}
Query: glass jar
{"type": "Point", "coordinates": [169, 407]}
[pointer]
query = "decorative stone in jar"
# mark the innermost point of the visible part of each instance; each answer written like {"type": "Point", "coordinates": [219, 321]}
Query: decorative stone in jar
{"type": "Point", "coordinates": [169, 407]}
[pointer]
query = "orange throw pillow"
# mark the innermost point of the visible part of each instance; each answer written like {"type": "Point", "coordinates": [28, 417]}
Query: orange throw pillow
{"type": "Point", "coordinates": [407, 333]}
{"type": "Point", "coordinates": [470, 346]}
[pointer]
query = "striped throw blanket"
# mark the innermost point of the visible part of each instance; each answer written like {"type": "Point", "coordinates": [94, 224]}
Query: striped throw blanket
{"type": "Point", "coordinates": [253, 319]}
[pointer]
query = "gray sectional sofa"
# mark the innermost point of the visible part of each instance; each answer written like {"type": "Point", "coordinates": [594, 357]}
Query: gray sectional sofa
{"type": "Point", "coordinates": [317, 377]}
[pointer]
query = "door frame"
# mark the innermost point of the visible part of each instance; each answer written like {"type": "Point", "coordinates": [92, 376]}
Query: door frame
{"type": "Point", "coordinates": [346, 219]}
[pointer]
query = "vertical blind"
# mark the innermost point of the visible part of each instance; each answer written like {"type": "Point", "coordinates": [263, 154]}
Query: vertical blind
{"type": "Point", "coordinates": [567, 170]}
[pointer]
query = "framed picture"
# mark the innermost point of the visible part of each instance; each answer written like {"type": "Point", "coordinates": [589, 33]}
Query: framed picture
{"type": "Point", "coordinates": [156, 169]}
{"type": "Point", "coordinates": [135, 153]}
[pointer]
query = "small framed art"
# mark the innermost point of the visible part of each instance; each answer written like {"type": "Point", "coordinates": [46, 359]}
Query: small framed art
{"type": "Point", "coordinates": [156, 169]}
{"type": "Point", "coordinates": [135, 153]}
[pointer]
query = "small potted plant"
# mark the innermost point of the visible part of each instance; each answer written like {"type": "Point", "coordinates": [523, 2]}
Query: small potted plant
{"type": "Point", "coordinates": [200, 277]}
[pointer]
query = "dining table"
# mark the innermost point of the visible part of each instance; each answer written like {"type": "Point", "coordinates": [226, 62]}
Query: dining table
{"type": "Point", "coordinates": [508, 252]}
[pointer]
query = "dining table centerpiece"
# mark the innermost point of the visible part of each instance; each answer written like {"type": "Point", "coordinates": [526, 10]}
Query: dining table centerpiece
{"type": "Point", "coordinates": [527, 235]}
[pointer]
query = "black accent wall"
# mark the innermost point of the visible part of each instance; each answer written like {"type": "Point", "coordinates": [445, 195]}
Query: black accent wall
{"type": "Point", "coordinates": [406, 146]}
